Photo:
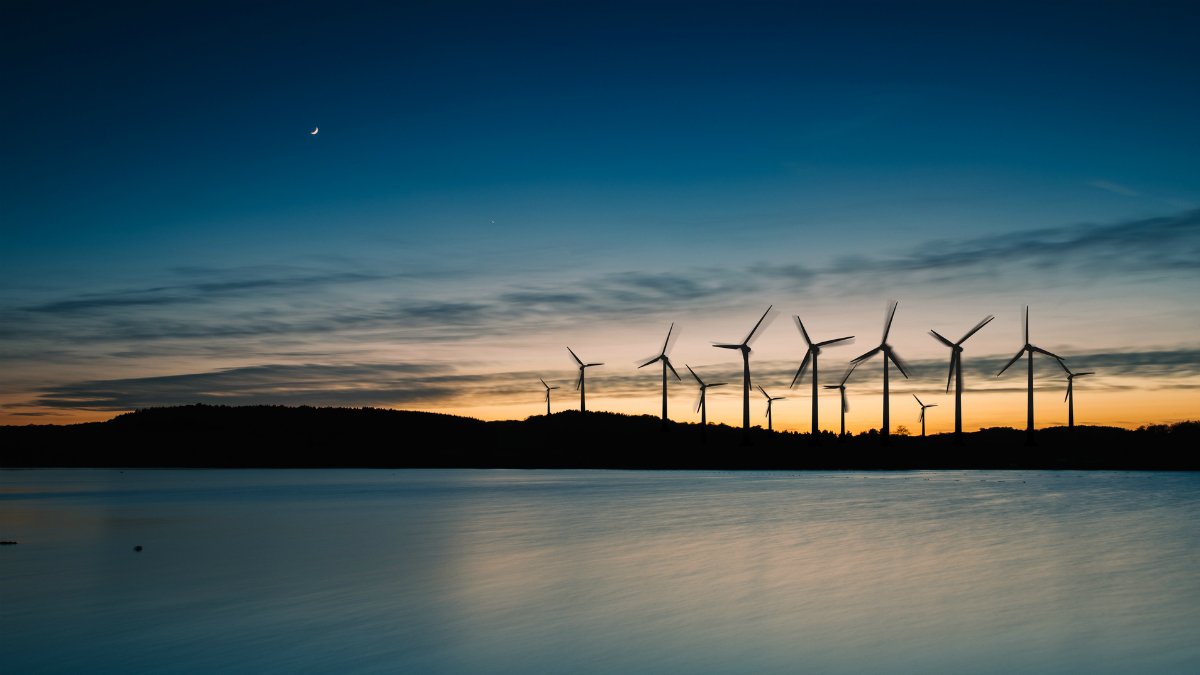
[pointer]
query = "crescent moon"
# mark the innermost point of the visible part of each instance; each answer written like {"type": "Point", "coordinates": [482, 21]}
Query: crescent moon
{"type": "Point", "coordinates": [314, 131]}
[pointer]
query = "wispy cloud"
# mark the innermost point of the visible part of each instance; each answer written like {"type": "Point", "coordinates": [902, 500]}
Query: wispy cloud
{"type": "Point", "coordinates": [205, 291]}
{"type": "Point", "coordinates": [312, 384]}
{"type": "Point", "coordinates": [234, 313]}
{"type": "Point", "coordinates": [412, 384]}
{"type": "Point", "coordinates": [1115, 188]}
{"type": "Point", "coordinates": [1147, 245]}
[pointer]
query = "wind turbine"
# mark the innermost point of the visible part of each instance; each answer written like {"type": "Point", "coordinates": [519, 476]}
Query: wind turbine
{"type": "Point", "coordinates": [923, 407]}
{"type": "Point", "coordinates": [666, 361]}
{"type": "Point", "coordinates": [770, 400]}
{"type": "Point", "coordinates": [702, 407]}
{"type": "Point", "coordinates": [888, 355]}
{"type": "Point", "coordinates": [1070, 398]}
{"type": "Point", "coordinates": [548, 388]}
{"type": "Point", "coordinates": [956, 372]}
{"type": "Point", "coordinates": [1028, 349]}
{"type": "Point", "coordinates": [841, 386]}
{"type": "Point", "coordinates": [814, 350]}
{"type": "Point", "coordinates": [744, 346]}
{"type": "Point", "coordinates": [580, 384]}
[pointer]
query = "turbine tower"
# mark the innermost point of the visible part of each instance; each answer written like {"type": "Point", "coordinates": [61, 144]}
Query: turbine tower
{"type": "Point", "coordinates": [1028, 349]}
{"type": "Point", "coordinates": [841, 386]}
{"type": "Point", "coordinates": [580, 384]}
{"type": "Point", "coordinates": [956, 372]}
{"type": "Point", "coordinates": [888, 355]}
{"type": "Point", "coordinates": [702, 407]}
{"type": "Point", "coordinates": [744, 346]}
{"type": "Point", "coordinates": [548, 388]}
{"type": "Point", "coordinates": [1070, 398]}
{"type": "Point", "coordinates": [666, 361]}
{"type": "Point", "coordinates": [923, 407]}
{"type": "Point", "coordinates": [770, 400]}
{"type": "Point", "coordinates": [814, 350]}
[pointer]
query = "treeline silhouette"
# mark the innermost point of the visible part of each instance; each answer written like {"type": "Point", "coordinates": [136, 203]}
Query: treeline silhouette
{"type": "Point", "coordinates": [281, 436]}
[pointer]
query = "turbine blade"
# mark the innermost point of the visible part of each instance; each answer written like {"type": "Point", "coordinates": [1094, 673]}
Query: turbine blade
{"type": "Point", "coordinates": [698, 380]}
{"type": "Point", "coordinates": [938, 336]}
{"type": "Point", "coordinates": [717, 384]}
{"type": "Point", "coordinates": [1043, 351]}
{"type": "Point", "coordinates": [835, 341]}
{"type": "Point", "coordinates": [1068, 394]}
{"type": "Point", "coordinates": [868, 355]}
{"type": "Point", "coordinates": [668, 340]}
{"type": "Point", "coordinates": [592, 364]}
{"type": "Point", "coordinates": [1026, 323]}
{"type": "Point", "coordinates": [1011, 361]}
{"type": "Point", "coordinates": [808, 341]}
{"type": "Point", "coordinates": [1082, 374]}
{"type": "Point", "coordinates": [950, 376]}
{"type": "Point", "coordinates": [764, 392]}
{"type": "Point", "coordinates": [728, 346]}
{"type": "Point", "coordinates": [845, 403]}
{"type": "Point", "coordinates": [846, 376]}
{"type": "Point", "coordinates": [543, 383]}
{"type": "Point", "coordinates": [700, 401]}
{"type": "Point", "coordinates": [1063, 365]}
{"type": "Point", "coordinates": [830, 386]}
{"type": "Point", "coordinates": [575, 357]}
{"type": "Point", "coordinates": [889, 354]}
{"type": "Point", "coordinates": [580, 380]}
{"type": "Point", "coordinates": [974, 330]}
{"type": "Point", "coordinates": [650, 361]}
{"type": "Point", "coordinates": [919, 401]}
{"type": "Point", "coordinates": [922, 415]}
{"type": "Point", "coordinates": [891, 315]}
{"type": "Point", "coordinates": [668, 362]}
{"type": "Point", "coordinates": [803, 366]}
{"type": "Point", "coordinates": [752, 330]}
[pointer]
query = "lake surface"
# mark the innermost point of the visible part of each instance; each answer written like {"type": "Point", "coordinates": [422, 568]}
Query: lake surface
{"type": "Point", "coordinates": [599, 572]}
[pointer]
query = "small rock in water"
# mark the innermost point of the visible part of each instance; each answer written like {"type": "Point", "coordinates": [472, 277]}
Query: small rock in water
{"type": "Point", "coordinates": [138, 548]}
{"type": "Point", "coordinates": [8, 543]}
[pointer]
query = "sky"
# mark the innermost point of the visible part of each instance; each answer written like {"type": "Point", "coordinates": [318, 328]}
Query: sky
{"type": "Point", "coordinates": [494, 182]}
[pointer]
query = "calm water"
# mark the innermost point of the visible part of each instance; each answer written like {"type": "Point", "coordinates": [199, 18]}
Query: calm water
{"type": "Point", "coordinates": [615, 572]}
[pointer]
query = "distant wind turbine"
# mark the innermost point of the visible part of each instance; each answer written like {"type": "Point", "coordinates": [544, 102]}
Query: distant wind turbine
{"type": "Point", "coordinates": [923, 407]}
{"type": "Point", "coordinates": [1070, 398]}
{"type": "Point", "coordinates": [580, 384]}
{"type": "Point", "coordinates": [666, 361]}
{"type": "Point", "coordinates": [888, 355]}
{"type": "Point", "coordinates": [841, 386]}
{"type": "Point", "coordinates": [956, 372]}
{"type": "Point", "coordinates": [548, 388]}
{"type": "Point", "coordinates": [744, 346]}
{"type": "Point", "coordinates": [814, 350]}
{"type": "Point", "coordinates": [1028, 349]}
{"type": "Point", "coordinates": [770, 399]}
{"type": "Point", "coordinates": [702, 407]}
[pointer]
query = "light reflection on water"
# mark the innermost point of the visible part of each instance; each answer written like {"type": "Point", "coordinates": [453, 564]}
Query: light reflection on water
{"type": "Point", "coordinates": [616, 572]}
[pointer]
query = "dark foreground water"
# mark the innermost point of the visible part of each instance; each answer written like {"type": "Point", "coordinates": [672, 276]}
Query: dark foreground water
{"type": "Point", "coordinates": [615, 572]}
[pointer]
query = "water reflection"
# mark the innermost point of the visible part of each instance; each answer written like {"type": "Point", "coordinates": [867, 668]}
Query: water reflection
{"type": "Point", "coordinates": [507, 571]}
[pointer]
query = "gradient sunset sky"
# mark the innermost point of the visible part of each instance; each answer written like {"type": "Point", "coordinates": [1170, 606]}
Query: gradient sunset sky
{"type": "Point", "coordinates": [494, 182]}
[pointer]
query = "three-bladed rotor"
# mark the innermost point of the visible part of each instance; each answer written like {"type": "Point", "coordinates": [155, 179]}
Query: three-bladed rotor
{"type": "Point", "coordinates": [662, 355]}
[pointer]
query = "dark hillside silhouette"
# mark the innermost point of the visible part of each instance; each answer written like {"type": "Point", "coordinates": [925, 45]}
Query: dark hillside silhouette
{"type": "Point", "coordinates": [278, 436]}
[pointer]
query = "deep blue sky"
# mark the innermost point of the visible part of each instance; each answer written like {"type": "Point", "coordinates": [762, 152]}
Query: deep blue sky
{"type": "Point", "coordinates": [160, 150]}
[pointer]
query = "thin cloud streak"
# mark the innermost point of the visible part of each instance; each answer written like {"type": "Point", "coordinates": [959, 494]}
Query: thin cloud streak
{"type": "Point", "coordinates": [238, 309]}
{"type": "Point", "coordinates": [400, 384]}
